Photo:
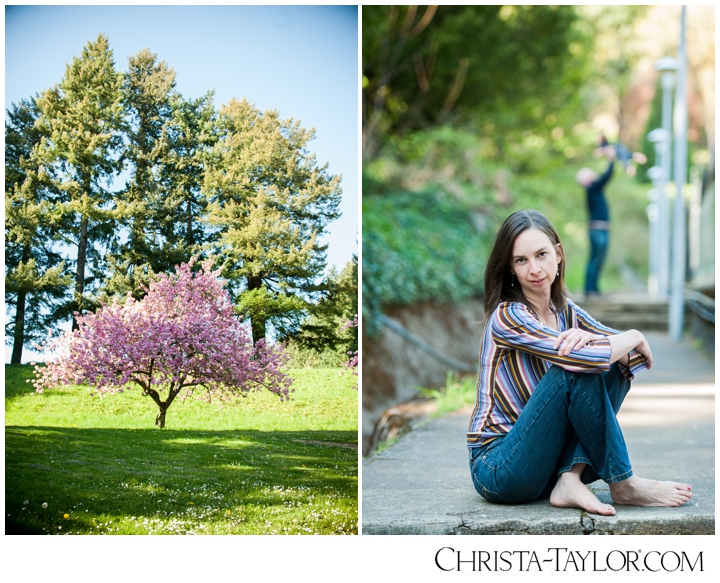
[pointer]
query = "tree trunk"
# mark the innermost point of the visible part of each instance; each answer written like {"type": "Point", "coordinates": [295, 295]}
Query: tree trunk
{"type": "Point", "coordinates": [160, 419]}
{"type": "Point", "coordinates": [81, 260]}
{"type": "Point", "coordinates": [257, 321]}
{"type": "Point", "coordinates": [189, 224]}
{"type": "Point", "coordinates": [163, 406]}
{"type": "Point", "coordinates": [19, 332]}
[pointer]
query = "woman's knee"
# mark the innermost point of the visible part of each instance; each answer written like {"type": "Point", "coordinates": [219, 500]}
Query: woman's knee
{"type": "Point", "coordinates": [559, 374]}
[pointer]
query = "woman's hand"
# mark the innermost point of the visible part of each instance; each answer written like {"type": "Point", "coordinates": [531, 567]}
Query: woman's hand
{"type": "Point", "coordinates": [574, 339]}
{"type": "Point", "coordinates": [621, 345]}
{"type": "Point", "coordinates": [644, 349]}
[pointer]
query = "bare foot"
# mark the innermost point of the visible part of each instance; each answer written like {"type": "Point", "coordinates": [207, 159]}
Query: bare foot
{"type": "Point", "coordinates": [570, 492]}
{"type": "Point", "coordinates": [637, 491]}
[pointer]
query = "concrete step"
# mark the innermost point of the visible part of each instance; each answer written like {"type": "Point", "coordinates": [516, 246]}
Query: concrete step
{"type": "Point", "coordinates": [623, 312]}
{"type": "Point", "coordinates": [421, 485]}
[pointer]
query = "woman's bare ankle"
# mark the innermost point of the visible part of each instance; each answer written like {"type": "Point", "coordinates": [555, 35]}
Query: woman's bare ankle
{"type": "Point", "coordinates": [570, 492]}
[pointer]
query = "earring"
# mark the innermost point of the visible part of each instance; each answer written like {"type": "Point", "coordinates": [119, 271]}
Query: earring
{"type": "Point", "coordinates": [558, 273]}
{"type": "Point", "coordinates": [512, 279]}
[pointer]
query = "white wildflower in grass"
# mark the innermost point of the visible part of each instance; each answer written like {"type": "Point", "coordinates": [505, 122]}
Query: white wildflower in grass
{"type": "Point", "coordinates": [44, 505]}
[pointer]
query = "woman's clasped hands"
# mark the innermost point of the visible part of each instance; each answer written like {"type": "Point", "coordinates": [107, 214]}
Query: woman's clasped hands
{"type": "Point", "coordinates": [574, 339]}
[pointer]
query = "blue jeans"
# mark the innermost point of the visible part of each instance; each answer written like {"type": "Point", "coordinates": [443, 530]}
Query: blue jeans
{"type": "Point", "coordinates": [599, 239]}
{"type": "Point", "coordinates": [570, 418]}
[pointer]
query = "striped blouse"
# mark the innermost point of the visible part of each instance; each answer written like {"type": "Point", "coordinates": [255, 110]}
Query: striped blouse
{"type": "Point", "coordinates": [517, 350]}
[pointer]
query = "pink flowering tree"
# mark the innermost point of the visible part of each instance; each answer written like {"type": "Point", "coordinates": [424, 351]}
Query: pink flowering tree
{"type": "Point", "coordinates": [352, 362]}
{"type": "Point", "coordinates": [181, 337]}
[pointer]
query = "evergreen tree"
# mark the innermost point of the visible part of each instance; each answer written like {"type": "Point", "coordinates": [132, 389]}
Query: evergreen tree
{"type": "Point", "coordinates": [325, 328]}
{"type": "Point", "coordinates": [270, 203]}
{"type": "Point", "coordinates": [34, 273]}
{"type": "Point", "coordinates": [81, 119]}
{"type": "Point", "coordinates": [191, 133]}
{"type": "Point", "coordinates": [162, 206]}
{"type": "Point", "coordinates": [148, 107]}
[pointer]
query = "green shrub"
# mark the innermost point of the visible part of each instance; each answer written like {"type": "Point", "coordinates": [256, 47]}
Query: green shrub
{"type": "Point", "coordinates": [418, 246]}
{"type": "Point", "coordinates": [302, 357]}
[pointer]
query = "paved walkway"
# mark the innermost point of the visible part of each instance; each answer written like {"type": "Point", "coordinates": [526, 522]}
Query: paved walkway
{"type": "Point", "coordinates": [422, 485]}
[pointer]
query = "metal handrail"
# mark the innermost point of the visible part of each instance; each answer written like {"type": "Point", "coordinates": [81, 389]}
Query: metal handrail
{"type": "Point", "coordinates": [410, 337]}
{"type": "Point", "coordinates": [702, 305]}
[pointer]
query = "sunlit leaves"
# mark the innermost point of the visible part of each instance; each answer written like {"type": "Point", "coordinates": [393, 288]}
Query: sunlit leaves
{"type": "Point", "coordinates": [269, 201]}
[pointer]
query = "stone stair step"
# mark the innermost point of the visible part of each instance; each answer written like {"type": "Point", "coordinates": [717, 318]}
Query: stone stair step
{"type": "Point", "coordinates": [627, 311]}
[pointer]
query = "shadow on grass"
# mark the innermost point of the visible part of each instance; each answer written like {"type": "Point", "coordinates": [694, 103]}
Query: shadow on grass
{"type": "Point", "coordinates": [221, 481]}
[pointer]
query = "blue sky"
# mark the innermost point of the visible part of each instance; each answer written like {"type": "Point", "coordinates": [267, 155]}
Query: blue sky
{"type": "Point", "coordinates": [300, 60]}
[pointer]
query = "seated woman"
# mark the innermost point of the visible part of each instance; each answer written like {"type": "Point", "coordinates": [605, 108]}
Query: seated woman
{"type": "Point", "coordinates": [550, 384]}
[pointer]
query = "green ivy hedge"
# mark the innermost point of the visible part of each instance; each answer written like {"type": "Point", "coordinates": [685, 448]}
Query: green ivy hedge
{"type": "Point", "coordinates": [418, 247]}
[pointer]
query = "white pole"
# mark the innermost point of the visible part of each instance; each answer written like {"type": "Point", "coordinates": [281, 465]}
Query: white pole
{"type": "Point", "coordinates": [667, 80]}
{"type": "Point", "coordinates": [694, 222]}
{"type": "Point", "coordinates": [659, 252]}
{"type": "Point", "coordinates": [652, 215]}
{"type": "Point", "coordinates": [677, 295]}
{"type": "Point", "coordinates": [667, 66]}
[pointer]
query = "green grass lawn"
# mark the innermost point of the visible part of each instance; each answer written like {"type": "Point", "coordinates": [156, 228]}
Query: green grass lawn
{"type": "Point", "coordinates": [257, 467]}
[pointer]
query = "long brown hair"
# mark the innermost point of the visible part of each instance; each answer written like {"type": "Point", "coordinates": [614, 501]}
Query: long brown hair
{"type": "Point", "coordinates": [497, 272]}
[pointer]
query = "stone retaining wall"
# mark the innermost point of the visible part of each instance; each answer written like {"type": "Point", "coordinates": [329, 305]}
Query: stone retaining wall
{"type": "Point", "coordinates": [393, 368]}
